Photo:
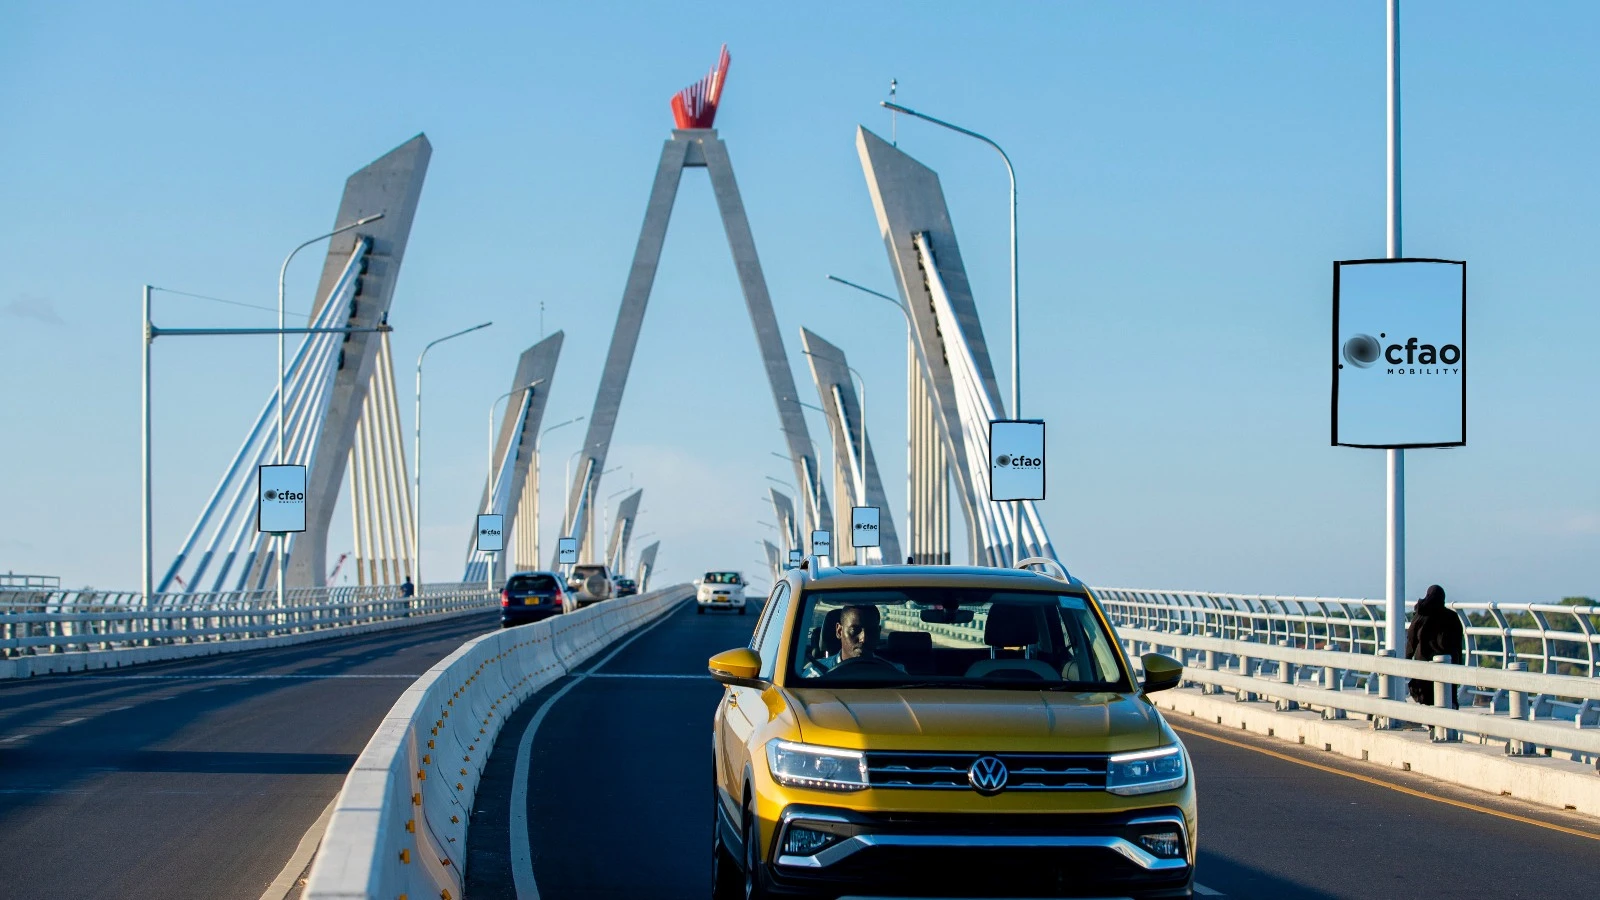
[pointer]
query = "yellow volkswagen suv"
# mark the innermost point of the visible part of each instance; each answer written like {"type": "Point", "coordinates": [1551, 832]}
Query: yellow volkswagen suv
{"type": "Point", "coordinates": [939, 731]}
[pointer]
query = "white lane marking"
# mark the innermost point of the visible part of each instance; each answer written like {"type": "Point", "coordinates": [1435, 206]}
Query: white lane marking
{"type": "Point", "coordinates": [118, 708]}
{"type": "Point", "coordinates": [645, 675]}
{"type": "Point", "coordinates": [71, 722]}
{"type": "Point", "coordinates": [521, 846]}
{"type": "Point", "coordinates": [1204, 891]}
{"type": "Point", "coordinates": [237, 677]}
{"type": "Point", "coordinates": [301, 857]}
{"type": "Point", "coordinates": [14, 737]}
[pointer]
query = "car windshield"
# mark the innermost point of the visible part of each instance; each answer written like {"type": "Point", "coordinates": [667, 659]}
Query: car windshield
{"type": "Point", "coordinates": [722, 578]}
{"type": "Point", "coordinates": [947, 637]}
{"type": "Point", "coordinates": [538, 583]}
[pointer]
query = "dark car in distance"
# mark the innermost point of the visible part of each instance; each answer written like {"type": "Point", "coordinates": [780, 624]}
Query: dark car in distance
{"type": "Point", "coordinates": [531, 596]}
{"type": "Point", "coordinates": [627, 587]}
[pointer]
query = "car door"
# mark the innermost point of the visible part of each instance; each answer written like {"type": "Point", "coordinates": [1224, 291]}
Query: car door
{"type": "Point", "coordinates": [743, 709]}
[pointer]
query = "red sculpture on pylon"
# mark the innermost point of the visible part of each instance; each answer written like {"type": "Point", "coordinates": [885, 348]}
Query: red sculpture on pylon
{"type": "Point", "coordinates": [696, 105]}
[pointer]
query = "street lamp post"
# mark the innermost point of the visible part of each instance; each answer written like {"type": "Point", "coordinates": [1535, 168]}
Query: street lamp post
{"type": "Point", "coordinates": [536, 482]}
{"type": "Point", "coordinates": [488, 490]}
{"type": "Point", "coordinates": [283, 400]}
{"type": "Point", "coordinates": [416, 446]}
{"type": "Point", "coordinates": [1395, 513]}
{"type": "Point", "coordinates": [1016, 359]}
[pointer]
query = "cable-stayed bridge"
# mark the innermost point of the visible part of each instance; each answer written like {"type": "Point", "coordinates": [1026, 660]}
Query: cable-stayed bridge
{"type": "Point", "coordinates": [225, 734]}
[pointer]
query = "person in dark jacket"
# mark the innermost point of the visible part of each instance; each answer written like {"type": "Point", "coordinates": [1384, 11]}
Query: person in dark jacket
{"type": "Point", "coordinates": [407, 589]}
{"type": "Point", "coordinates": [1435, 630]}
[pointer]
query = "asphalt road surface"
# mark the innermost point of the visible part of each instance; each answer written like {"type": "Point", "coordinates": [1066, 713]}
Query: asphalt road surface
{"type": "Point", "coordinates": [192, 779]}
{"type": "Point", "coordinates": [618, 781]}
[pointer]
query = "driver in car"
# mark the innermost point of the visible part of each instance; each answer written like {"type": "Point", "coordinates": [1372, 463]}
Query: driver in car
{"type": "Point", "coordinates": [857, 632]}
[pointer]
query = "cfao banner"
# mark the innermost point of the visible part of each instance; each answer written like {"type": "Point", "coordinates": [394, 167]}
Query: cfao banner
{"type": "Point", "coordinates": [1400, 353]}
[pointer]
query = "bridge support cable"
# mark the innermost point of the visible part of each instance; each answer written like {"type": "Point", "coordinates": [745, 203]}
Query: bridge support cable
{"type": "Point", "coordinates": [380, 497]}
{"type": "Point", "coordinates": [855, 467]}
{"type": "Point", "coordinates": [788, 526]}
{"type": "Point", "coordinates": [929, 517]}
{"type": "Point", "coordinates": [976, 407]}
{"type": "Point", "coordinates": [647, 566]}
{"type": "Point", "coordinates": [228, 516]}
{"type": "Point", "coordinates": [513, 447]}
{"type": "Point", "coordinates": [621, 529]}
{"type": "Point", "coordinates": [498, 500]}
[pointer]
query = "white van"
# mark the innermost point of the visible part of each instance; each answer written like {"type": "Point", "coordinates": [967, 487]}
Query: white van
{"type": "Point", "coordinates": [719, 590]}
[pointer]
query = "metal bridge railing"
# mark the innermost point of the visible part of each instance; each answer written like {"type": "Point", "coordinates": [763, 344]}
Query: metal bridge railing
{"type": "Point", "coordinates": [34, 622]}
{"type": "Point", "coordinates": [1548, 638]}
{"type": "Point", "coordinates": [1525, 710]}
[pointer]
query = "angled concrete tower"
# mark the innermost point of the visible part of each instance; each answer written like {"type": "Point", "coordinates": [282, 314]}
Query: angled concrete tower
{"type": "Point", "coordinates": [831, 372]}
{"type": "Point", "coordinates": [647, 565]}
{"type": "Point", "coordinates": [391, 185]}
{"type": "Point", "coordinates": [694, 143]}
{"type": "Point", "coordinates": [909, 201]}
{"type": "Point", "coordinates": [622, 529]}
{"type": "Point", "coordinates": [519, 426]}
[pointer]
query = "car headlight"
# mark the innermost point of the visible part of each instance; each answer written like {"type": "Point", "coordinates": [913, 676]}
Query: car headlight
{"type": "Point", "coordinates": [819, 768]}
{"type": "Point", "coordinates": [1146, 771]}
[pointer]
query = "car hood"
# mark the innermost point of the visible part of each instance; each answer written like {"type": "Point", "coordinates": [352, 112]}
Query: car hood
{"type": "Point", "coordinates": [976, 719]}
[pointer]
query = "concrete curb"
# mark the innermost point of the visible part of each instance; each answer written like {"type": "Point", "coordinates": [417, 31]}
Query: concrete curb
{"type": "Point", "coordinates": [87, 660]}
{"type": "Point", "coordinates": [1548, 781]}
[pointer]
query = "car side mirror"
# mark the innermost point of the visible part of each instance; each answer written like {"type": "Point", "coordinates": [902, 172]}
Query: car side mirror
{"type": "Point", "coordinates": [698, 581]}
{"type": "Point", "coordinates": [737, 668]}
{"type": "Point", "coordinates": [1161, 672]}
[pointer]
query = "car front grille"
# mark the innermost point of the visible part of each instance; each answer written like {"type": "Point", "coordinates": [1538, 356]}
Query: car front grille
{"type": "Point", "coordinates": [1026, 771]}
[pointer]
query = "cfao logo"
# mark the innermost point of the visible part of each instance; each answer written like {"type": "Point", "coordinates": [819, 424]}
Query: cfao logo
{"type": "Point", "coordinates": [1362, 351]}
{"type": "Point", "coordinates": [1365, 351]}
{"type": "Point", "coordinates": [283, 496]}
{"type": "Point", "coordinates": [1006, 460]}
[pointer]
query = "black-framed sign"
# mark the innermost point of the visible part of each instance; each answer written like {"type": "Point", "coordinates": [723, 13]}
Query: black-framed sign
{"type": "Point", "coordinates": [490, 536]}
{"type": "Point", "coordinates": [1399, 353]}
{"type": "Point", "coordinates": [281, 499]}
{"type": "Point", "coordinates": [794, 558]}
{"type": "Point", "coordinates": [821, 543]}
{"type": "Point", "coordinates": [864, 522]}
{"type": "Point", "coordinates": [567, 551]}
{"type": "Point", "coordinates": [1016, 459]}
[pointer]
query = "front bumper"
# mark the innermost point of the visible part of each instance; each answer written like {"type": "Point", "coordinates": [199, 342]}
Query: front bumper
{"type": "Point", "coordinates": [726, 603]}
{"type": "Point", "coordinates": [982, 855]}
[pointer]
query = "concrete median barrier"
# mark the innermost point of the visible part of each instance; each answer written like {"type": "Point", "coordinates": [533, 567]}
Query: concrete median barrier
{"type": "Point", "coordinates": [399, 825]}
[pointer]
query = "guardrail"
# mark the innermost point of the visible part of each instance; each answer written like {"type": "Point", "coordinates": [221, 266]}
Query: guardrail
{"type": "Point", "coordinates": [33, 622]}
{"type": "Point", "coordinates": [399, 825]}
{"type": "Point", "coordinates": [1526, 710]}
{"type": "Point", "coordinates": [51, 632]}
{"type": "Point", "coordinates": [1548, 638]}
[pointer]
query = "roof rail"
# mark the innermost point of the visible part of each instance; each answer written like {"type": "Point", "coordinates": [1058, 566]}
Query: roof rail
{"type": "Point", "coordinates": [1060, 572]}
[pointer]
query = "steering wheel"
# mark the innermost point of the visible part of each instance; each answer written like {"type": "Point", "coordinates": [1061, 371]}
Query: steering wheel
{"type": "Point", "coordinates": [859, 661]}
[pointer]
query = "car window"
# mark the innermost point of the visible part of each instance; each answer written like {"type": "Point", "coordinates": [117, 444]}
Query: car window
{"type": "Point", "coordinates": [771, 640]}
{"type": "Point", "coordinates": [532, 583]}
{"type": "Point", "coordinates": [957, 637]}
{"type": "Point", "coordinates": [722, 578]}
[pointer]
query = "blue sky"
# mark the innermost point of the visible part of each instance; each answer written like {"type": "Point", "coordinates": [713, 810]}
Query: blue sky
{"type": "Point", "coordinates": [1187, 172]}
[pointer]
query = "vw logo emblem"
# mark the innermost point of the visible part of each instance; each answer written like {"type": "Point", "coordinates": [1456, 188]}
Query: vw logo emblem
{"type": "Point", "coordinates": [988, 775]}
